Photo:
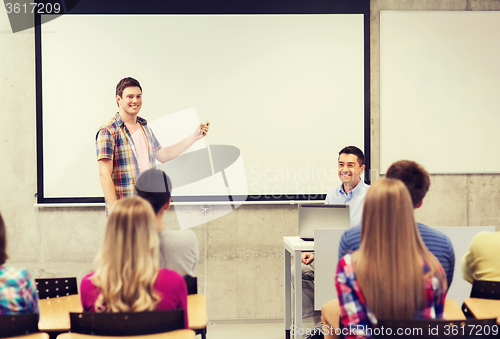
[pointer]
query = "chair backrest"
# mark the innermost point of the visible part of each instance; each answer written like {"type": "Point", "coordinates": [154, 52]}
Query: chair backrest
{"type": "Point", "coordinates": [127, 323]}
{"type": "Point", "coordinates": [437, 329]}
{"type": "Point", "coordinates": [485, 289]}
{"type": "Point", "coordinates": [56, 287]}
{"type": "Point", "coordinates": [192, 284]}
{"type": "Point", "coordinates": [14, 325]}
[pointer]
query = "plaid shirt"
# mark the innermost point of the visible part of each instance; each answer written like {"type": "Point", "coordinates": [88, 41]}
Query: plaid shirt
{"type": "Point", "coordinates": [353, 309]}
{"type": "Point", "coordinates": [114, 141]}
{"type": "Point", "coordinates": [17, 292]}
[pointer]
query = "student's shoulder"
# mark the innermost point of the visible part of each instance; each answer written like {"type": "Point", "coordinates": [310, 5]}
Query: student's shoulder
{"type": "Point", "coordinates": [485, 237]}
{"type": "Point", "coordinates": [182, 239]}
{"type": "Point", "coordinates": [87, 281]}
{"type": "Point", "coordinates": [429, 231]}
{"type": "Point", "coordinates": [432, 236]}
{"type": "Point", "coordinates": [14, 274]}
{"type": "Point", "coordinates": [111, 126]}
{"type": "Point", "coordinates": [352, 232]}
{"type": "Point", "coordinates": [178, 234]}
{"type": "Point", "coordinates": [166, 275]}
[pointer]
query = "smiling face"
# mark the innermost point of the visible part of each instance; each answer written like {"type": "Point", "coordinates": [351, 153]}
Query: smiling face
{"type": "Point", "coordinates": [131, 100]}
{"type": "Point", "coordinates": [349, 170]}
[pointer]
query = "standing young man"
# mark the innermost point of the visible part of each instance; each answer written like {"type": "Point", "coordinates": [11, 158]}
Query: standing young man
{"type": "Point", "coordinates": [352, 191]}
{"type": "Point", "coordinates": [126, 146]}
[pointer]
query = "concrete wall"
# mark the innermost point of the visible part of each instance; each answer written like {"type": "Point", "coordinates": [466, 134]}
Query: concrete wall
{"type": "Point", "coordinates": [241, 254]}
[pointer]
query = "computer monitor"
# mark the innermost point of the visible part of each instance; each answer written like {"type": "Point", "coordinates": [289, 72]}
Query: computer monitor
{"type": "Point", "coordinates": [312, 216]}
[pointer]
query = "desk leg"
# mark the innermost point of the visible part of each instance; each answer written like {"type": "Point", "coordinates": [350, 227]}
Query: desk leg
{"type": "Point", "coordinates": [288, 293]}
{"type": "Point", "coordinates": [298, 293]}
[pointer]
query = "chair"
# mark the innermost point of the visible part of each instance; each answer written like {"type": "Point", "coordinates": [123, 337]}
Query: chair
{"type": "Point", "coordinates": [127, 323]}
{"type": "Point", "coordinates": [485, 289]}
{"type": "Point", "coordinates": [15, 325]}
{"type": "Point", "coordinates": [197, 307]}
{"type": "Point", "coordinates": [192, 284]}
{"type": "Point", "coordinates": [56, 287]}
{"type": "Point", "coordinates": [436, 329]}
{"type": "Point", "coordinates": [38, 335]}
{"type": "Point", "coordinates": [177, 334]}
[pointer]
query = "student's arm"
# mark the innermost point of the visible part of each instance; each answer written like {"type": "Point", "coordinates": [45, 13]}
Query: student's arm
{"type": "Point", "coordinates": [353, 312]}
{"type": "Point", "coordinates": [168, 153]}
{"type": "Point", "coordinates": [343, 248]}
{"type": "Point", "coordinates": [468, 264]}
{"type": "Point", "coordinates": [105, 170]}
{"type": "Point", "coordinates": [30, 298]}
{"type": "Point", "coordinates": [439, 297]}
{"type": "Point", "coordinates": [105, 147]}
{"type": "Point", "coordinates": [451, 258]}
{"type": "Point", "coordinates": [350, 241]}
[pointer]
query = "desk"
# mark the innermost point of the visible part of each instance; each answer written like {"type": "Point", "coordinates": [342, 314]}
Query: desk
{"type": "Point", "coordinates": [484, 308]}
{"type": "Point", "coordinates": [452, 311]}
{"type": "Point", "coordinates": [197, 311]}
{"type": "Point", "coordinates": [295, 246]}
{"type": "Point", "coordinates": [54, 312]}
{"type": "Point", "coordinates": [178, 334]}
{"type": "Point", "coordinates": [39, 335]}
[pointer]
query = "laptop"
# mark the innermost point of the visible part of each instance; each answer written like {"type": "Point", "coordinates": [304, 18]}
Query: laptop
{"type": "Point", "coordinates": [312, 216]}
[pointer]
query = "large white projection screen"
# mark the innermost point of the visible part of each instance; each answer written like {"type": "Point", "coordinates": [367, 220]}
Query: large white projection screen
{"type": "Point", "coordinates": [286, 90]}
{"type": "Point", "coordinates": [439, 90]}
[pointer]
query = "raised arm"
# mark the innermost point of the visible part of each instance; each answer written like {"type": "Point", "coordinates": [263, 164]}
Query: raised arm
{"type": "Point", "coordinates": [168, 153]}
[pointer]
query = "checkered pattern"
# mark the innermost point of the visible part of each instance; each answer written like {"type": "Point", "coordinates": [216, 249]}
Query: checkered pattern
{"type": "Point", "coordinates": [114, 141]}
{"type": "Point", "coordinates": [354, 311]}
{"type": "Point", "coordinates": [17, 292]}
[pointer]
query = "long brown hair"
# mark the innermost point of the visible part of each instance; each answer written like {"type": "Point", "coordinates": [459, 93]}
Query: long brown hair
{"type": "Point", "coordinates": [389, 263]}
{"type": "Point", "coordinates": [128, 259]}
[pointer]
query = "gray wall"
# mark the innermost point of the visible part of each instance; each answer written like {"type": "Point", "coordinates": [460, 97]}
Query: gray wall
{"type": "Point", "coordinates": [241, 254]}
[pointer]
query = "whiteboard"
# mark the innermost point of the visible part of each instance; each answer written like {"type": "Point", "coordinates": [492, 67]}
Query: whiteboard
{"type": "Point", "coordinates": [286, 90]}
{"type": "Point", "coordinates": [439, 90]}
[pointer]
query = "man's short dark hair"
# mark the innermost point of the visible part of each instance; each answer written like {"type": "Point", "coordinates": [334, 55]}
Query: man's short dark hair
{"type": "Point", "coordinates": [3, 242]}
{"type": "Point", "coordinates": [124, 83]}
{"type": "Point", "coordinates": [155, 186]}
{"type": "Point", "coordinates": [356, 151]}
{"type": "Point", "coordinates": [414, 176]}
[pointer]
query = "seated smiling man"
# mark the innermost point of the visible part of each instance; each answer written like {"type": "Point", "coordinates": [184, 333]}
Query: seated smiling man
{"type": "Point", "coordinates": [352, 191]}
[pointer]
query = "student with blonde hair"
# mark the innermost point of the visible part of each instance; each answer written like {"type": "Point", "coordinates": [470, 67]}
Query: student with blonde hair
{"type": "Point", "coordinates": [128, 278]}
{"type": "Point", "coordinates": [17, 288]}
{"type": "Point", "coordinates": [392, 275]}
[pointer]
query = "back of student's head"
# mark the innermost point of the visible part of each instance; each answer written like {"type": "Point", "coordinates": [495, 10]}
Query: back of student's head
{"type": "Point", "coordinates": [356, 151]}
{"type": "Point", "coordinates": [128, 259]}
{"type": "Point", "coordinates": [389, 262]}
{"type": "Point", "coordinates": [3, 242]}
{"type": "Point", "coordinates": [155, 186]}
{"type": "Point", "coordinates": [414, 176]}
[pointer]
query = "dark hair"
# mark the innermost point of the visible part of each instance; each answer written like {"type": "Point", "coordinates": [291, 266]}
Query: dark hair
{"type": "Point", "coordinates": [155, 186]}
{"type": "Point", "coordinates": [414, 176]}
{"type": "Point", "coordinates": [3, 242]}
{"type": "Point", "coordinates": [124, 83]}
{"type": "Point", "coordinates": [356, 151]}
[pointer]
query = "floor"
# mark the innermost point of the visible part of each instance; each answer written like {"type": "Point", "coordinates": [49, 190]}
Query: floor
{"type": "Point", "coordinates": [248, 329]}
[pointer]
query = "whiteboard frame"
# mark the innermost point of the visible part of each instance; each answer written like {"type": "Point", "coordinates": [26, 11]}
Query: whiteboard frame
{"type": "Point", "coordinates": [217, 7]}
